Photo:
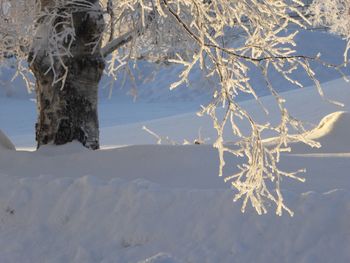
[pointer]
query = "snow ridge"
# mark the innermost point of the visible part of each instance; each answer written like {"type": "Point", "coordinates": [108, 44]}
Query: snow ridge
{"type": "Point", "coordinates": [5, 142]}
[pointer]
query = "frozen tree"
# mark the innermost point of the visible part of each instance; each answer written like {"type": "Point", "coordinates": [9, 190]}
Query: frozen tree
{"type": "Point", "coordinates": [69, 44]}
{"type": "Point", "coordinates": [334, 14]}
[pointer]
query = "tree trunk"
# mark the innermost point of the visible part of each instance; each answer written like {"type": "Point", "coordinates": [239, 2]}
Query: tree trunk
{"type": "Point", "coordinates": [69, 112]}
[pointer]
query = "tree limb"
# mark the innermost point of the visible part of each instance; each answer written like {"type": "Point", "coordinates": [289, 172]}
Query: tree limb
{"type": "Point", "coordinates": [117, 43]}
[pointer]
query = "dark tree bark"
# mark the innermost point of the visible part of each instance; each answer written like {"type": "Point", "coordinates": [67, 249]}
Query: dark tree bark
{"type": "Point", "coordinates": [69, 112]}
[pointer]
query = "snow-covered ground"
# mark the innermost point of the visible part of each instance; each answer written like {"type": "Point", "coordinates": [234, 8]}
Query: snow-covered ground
{"type": "Point", "coordinates": [164, 203]}
{"type": "Point", "coordinates": [138, 202]}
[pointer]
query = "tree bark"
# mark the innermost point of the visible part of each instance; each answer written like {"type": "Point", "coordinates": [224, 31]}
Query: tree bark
{"type": "Point", "coordinates": [69, 112]}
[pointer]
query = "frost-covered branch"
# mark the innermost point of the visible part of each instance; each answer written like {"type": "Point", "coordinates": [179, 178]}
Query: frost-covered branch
{"type": "Point", "coordinates": [267, 43]}
{"type": "Point", "coordinates": [116, 43]}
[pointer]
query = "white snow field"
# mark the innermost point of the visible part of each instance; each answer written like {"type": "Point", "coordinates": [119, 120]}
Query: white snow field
{"type": "Point", "coordinates": [165, 204]}
{"type": "Point", "coordinates": [138, 202]}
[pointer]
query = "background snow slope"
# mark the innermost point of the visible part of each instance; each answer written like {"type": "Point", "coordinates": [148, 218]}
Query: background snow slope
{"type": "Point", "coordinates": [154, 101]}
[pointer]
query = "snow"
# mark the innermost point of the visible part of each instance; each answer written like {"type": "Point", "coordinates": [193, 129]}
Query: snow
{"type": "Point", "coordinates": [5, 142]}
{"type": "Point", "coordinates": [160, 258]}
{"type": "Point", "coordinates": [138, 202]}
{"type": "Point", "coordinates": [330, 132]}
{"type": "Point", "coordinates": [140, 206]}
{"type": "Point", "coordinates": [164, 204]}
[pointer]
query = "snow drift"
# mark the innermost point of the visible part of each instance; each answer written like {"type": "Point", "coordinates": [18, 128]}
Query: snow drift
{"type": "Point", "coordinates": [332, 133]}
{"type": "Point", "coordinates": [5, 142]}
{"type": "Point", "coordinates": [88, 219]}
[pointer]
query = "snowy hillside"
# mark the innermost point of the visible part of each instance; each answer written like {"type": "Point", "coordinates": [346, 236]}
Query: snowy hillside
{"type": "Point", "coordinates": [165, 204]}
{"type": "Point", "coordinates": [135, 201]}
{"type": "Point", "coordinates": [153, 80]}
